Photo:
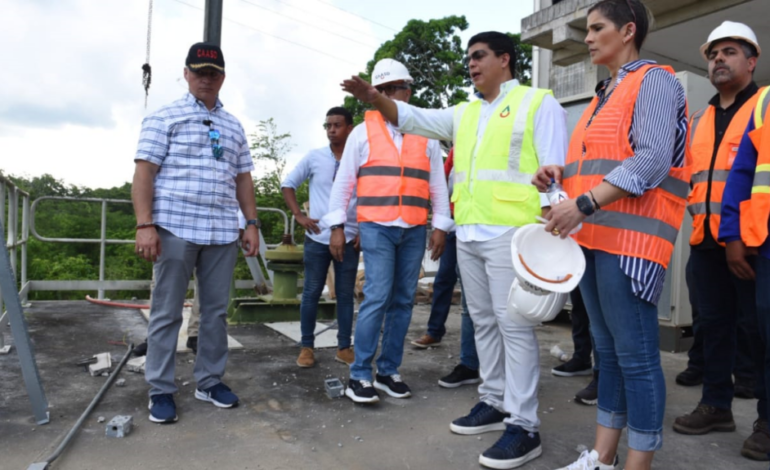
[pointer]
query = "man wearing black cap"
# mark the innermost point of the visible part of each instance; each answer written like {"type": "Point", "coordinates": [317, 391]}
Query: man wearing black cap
{"type": "Point", "coordinates": [187, 218]}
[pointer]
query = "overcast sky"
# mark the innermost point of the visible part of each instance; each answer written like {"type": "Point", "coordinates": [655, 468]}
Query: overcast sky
{"type": "Point", "coordinates": [72, 100]}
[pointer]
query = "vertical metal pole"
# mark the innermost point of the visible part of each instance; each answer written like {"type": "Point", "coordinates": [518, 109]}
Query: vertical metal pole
{"type": "Point", "coordinates": [13, 222]}
{"type": "Point", "coordinates": [3, 318]}
{"type": "Point", "coordinates": [25, 241]}
{"type": "Point", "coordinates": [21, 339]}
{"type": "Point", "coordinates": [212, 23]}
{"type": "Point", "coordinates": [102, 247]}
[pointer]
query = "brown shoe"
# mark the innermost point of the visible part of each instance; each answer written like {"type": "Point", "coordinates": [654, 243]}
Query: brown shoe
{"type": "Point", "coordinates": [757, 446]}
{"type": "Point", "coordinates": [345, 356]}
{"type": "Point", "coordinates": [704, 420]}
{"type": "Point", "coordinates": [306, 358]}
{"type": "Point", "coordinates": [426, 341]}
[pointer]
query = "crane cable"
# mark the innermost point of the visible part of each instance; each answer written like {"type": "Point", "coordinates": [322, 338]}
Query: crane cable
{"type": "Point", "coordinates": [146, 69]}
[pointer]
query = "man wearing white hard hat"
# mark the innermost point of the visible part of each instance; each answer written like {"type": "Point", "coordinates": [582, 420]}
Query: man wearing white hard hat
{"type": "Point", "coordinates": [396, 179]}
{"type": "Point", "coordinates": [721, 298]}
{"type": "Point", "coordinates": [500, 141]}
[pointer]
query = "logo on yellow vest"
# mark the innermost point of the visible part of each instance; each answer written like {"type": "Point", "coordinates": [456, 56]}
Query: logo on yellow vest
{"type": "Point", "coordinates": [506, 112]}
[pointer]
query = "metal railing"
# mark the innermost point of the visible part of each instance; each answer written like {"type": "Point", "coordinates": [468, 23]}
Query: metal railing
{"type": "Point", "coordinates": [28, 226]}
{"type": "Point", "coordinates": [15, 239]}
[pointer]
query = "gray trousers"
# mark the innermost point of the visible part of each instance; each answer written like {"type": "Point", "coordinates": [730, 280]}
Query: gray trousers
{"type": "Point", "coordinates": [214, 265]}
{"type": "Point", "coordinates": [509, 359]}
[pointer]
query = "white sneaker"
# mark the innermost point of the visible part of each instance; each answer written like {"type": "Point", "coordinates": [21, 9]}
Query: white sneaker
{"type": "Point", "coordinates": [590, 461]}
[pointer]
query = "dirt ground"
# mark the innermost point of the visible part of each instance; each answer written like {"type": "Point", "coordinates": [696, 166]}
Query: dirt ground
{"type": "Point", "coordinates": [285, 420]}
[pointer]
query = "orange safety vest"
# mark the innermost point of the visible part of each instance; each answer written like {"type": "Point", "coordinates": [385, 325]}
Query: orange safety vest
{"type": "Point", "coordinates": [393, 185]}
{"type": "Point", "coordinates": [643, 227]}
{"type": "Point", "coordinates": [707, 182]}
{"type": "Point", "coordinates": [756, 211]}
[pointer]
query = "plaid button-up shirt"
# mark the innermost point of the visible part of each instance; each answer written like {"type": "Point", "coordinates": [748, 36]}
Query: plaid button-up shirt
{"type": "Point", "coordinates": [194, 194]}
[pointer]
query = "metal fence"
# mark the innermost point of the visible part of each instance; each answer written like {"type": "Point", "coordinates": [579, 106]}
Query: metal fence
{"type": "Point", "coordinates": [18, 236]}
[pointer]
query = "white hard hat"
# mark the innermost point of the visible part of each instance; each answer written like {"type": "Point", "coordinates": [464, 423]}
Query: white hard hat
{"type": "Point", "coordinates": [529, 308]}
{"type": "Point", "coordinates": [545, 263]}
{"type": "Point", "coordinates": [731, 30]}
{"type": "Point", "coordinates": [389, 70]}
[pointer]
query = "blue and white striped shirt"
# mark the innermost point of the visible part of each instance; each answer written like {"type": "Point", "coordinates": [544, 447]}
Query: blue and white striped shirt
{"type": "Point", "coordinates": [658, 135]}
{"type": "Point", "coordinates": [194, 193]}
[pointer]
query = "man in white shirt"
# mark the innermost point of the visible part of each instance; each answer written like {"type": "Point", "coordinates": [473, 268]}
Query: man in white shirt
{"type": "Point", "coordinates": [500, 141]}
{"type": "Point", "coordinates": [320, 166]}
{"type": "Point", "coordinates": [394, 177]}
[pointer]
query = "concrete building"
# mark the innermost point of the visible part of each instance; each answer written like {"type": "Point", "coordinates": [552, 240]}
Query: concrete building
{"type": "Point", "coordinates": [561, 62]}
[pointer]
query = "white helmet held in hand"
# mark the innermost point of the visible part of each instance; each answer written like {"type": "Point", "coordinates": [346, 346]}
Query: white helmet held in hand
{"type": "Point", "coordinates": [389, 70]}
{"type": "Point", "coordinates": [546, 263]}
{"type": "Point", "coordinates": [528, 308]}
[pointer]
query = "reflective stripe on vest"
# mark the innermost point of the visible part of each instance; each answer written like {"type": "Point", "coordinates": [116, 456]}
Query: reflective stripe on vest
{"type": "Point", "coordinates": [756, 211]}
{"type": "Point", "coordinates": [711, 166]}
{"type": "Point", "coordinates": [493, 173]}
{"type": "Point", "coordinates": [641, 227]}
{"type": "Point", "coordinates": [393, 184]}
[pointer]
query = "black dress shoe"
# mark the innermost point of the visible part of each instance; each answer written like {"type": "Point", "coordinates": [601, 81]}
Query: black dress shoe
{"type": "Point", "coordinates": [140, 349]}
{"type": "Point", "coordinates": [744, 388]}
{"type": "Point", "coordinates": [192, 343]}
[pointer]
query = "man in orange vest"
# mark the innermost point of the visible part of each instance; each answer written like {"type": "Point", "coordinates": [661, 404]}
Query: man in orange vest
{"type": "Point", "coordinates": [394, 176]}
{"type": "Point", "coordinates": [715, 135]}
{"type": "Point", "coordinates": [744, 227]}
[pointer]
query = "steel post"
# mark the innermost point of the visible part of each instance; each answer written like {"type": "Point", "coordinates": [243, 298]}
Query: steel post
{"type": "Point", "coordinates": [212, 23]}
{"type": "Point", "coordinates": [102, 247]}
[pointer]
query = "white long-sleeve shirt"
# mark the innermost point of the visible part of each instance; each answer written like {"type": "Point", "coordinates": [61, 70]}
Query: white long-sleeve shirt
{"type": "Point", "coordinates": [356, 155]}
{"type": "Point", "coordinates": [551, 140]}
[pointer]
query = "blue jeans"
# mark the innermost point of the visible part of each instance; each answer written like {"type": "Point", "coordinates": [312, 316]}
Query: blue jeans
{"type": "Point", "coordinates": [632, 390]}
{"type": "Point", "coordinates": [468, 356]}
{"type": "Point", "coordinates": [762, 351]}
{"type": "Point", "coordinates": [392, 260]}
{"type": "Point", "coordinates": [443, 288]}
{"type": "Point", "coordinates": [317, 259]}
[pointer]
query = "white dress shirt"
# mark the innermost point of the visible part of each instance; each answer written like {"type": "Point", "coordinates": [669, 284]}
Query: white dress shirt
{"type": "Point", "coordinates": [551, 141]}
{"type": "Point", "coordinates": [356, 155]}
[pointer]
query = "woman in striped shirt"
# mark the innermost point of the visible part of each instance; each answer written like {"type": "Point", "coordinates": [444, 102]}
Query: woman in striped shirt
{"type": "Point", "coordinates": [627, 177]}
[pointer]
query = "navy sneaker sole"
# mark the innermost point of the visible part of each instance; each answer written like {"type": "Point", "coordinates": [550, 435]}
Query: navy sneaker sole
{"type": "Point", "coordinates": [458, 384]}
{"type": "Point", "coordinates": [560, 373]}
{"type": "Point", "coordinates": [203, 396]}
{"type": "Point", "coordinates": [511, 463]}
{"type": "Point", "coordinates": [161, 421]}
{"type": "Point", "coordinates": [386, 389]}
{"type": "Point", "coordinates": [471, 431]}
{"type": "Point", "coordinates": [352, 395]}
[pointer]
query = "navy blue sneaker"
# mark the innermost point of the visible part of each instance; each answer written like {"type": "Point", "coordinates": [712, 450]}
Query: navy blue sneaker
{"type": "Point", "coordinates": [482, 418]}
{"type": "Point", "coordinates": [514, 448]}
{"type": "Point", "coordinates": [220, 395]}
{"type": "Point", "coordinates": [163, 409]}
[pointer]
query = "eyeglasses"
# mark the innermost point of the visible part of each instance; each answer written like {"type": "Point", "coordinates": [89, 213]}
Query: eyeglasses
{"type": "Point", "coordinates": [215, 135]}
{"type": "Point", "coordinates": [390, 89]}
{"type": "Point", "coordinates": [477, 56]}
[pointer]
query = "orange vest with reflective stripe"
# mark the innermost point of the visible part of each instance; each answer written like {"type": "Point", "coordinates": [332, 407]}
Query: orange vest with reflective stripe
{"type": "Point", "coordinates": [643, 227]}
{"type": "Point", "coordinates": [756, 211]}
{"type": "Point", "coordinates": [393, 184]}
{"type": "Point", "coordinates": [708, 182]}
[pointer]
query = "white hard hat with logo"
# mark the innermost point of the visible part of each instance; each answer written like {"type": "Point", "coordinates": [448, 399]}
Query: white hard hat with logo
{"type": "Point", "coordinates": [389, 70]}
{"type": "Point", "coordinates": [546, 263]}
{"type": "Point", "coordinates": [527, 308]}
{"type": "Point", "coordinates": [731, 30]}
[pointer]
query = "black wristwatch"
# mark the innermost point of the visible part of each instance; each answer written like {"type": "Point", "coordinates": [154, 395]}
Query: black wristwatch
{"type": "Point", "coordinates": [335, 227]}
{"type": "Point", "coordinates": [585, 205]}
{"type": "Point", "coordinates": [255, 222]}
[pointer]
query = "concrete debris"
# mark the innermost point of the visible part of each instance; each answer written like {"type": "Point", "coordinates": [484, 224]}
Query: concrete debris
{"type": "Point", "coordinates": [581, 448]}
{"type": "Point", "coordinates": [120, 383]}
{"type": "Point", "coordinates": [120, 426]}
{"type": "Point", "coordinates": [339, 444]}
{"type": "Point", "coordinates": [103, 364]}
{"type": "Point", "coordinates": [136, 364]}
{"type": "Point", "coordinates": [184, 384]}
{"type": "Point", "coordinates": [5, 349]}
{"type": "Point", "coordinates": [101, 419]}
